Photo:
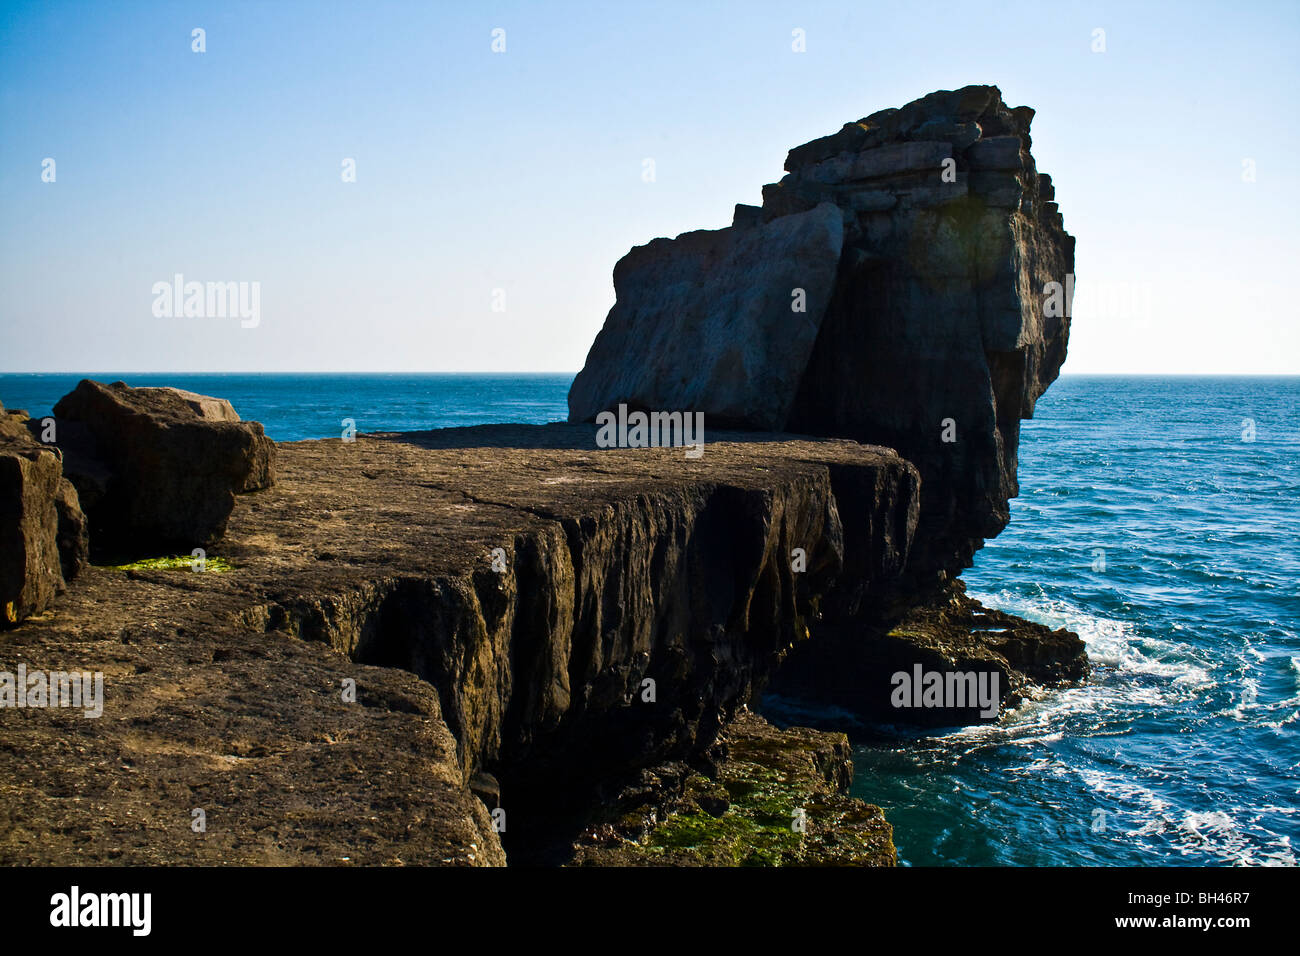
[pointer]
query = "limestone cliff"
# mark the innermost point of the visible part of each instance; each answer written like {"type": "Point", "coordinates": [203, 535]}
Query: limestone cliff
{"type": "Point", "coordinates": [533, 583]}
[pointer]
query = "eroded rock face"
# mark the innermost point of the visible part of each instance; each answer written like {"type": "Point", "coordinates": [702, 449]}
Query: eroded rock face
{"type": "Point", "coordinates": [854, 663]}
{"type": "Point", "coordinates": [622, 566]}
{"type": "Point", "coordinates": [934, 341]}
{"type": "Point", "coordinates": [704, 321]}
{"type": "Point", "coordinates": [938, 329]}
{"type": "Point", "coordinates": [500, 595]}
{"type": "Point", "coordinates": [74, 530]}
{"type": "Point", "coordinates": [158, 468]}
{"type": "Point", "coordinates": [676, 815]}
{"type": "Point", "coordinates": [29, 557]}
{"type": "Point", "coordinates": [42, 529]}
{"type": "Point", "coordinates": [618, 566]}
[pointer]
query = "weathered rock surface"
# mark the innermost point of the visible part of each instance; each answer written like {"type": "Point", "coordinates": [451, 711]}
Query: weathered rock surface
{"type": "Point", "coordinates": [157, 468]}
{"type": "Point", "coordinates": [42, 530]}
{"type": "Point", "coordinates": [852, 662]}
{"type": "Point", "coordinates": [936, 326]}
{"type": "Point", "coordinates": [73, 530]}
{"type": "Point", "coordinates": [619, 566]}
{"type": "Point", "coordinates": [249, 728]}
{"type": "Point", "coordinates": [772, 798]}
{"type": "Point", "coordinates": [531, 584]}
{"type": "Point", "coordinates": [704, 322]}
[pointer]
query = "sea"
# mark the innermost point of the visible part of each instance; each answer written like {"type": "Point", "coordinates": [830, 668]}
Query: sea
{"type": "Point", "coordinates": [1158, 517]}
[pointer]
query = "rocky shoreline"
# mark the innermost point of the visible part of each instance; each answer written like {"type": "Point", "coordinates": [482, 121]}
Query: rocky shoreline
{"type": "Point", "coordinates": [373, 561]}
{"type": "Point", "coordinates": [765, 797]}
{"type": "Point", "coordinates": [543, 644]}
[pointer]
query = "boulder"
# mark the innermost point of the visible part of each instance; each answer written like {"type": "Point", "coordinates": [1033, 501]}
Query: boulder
{"type": "Point", "coordinates": [933, 340]}
{"type": "Point", "coordinates": [158, 468]}
{"type": "Point", "coordinates": [42, 541]}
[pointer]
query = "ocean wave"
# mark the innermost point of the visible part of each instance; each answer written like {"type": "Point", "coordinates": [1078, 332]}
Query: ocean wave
{"type": "Point", "coordinates": [1111, 642]}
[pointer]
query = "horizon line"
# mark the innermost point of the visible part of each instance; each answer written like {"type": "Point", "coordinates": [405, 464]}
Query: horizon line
{"type": "Point", "coordinates": [90, 372]}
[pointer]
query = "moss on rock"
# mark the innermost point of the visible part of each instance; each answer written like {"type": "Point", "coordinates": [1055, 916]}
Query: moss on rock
{"type": "Point", "coordinates": [777, 799]}
{"type": "Point", "coordinates": [179, 562]}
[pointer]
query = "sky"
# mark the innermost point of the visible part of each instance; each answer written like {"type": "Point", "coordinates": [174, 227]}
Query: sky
{"type": "Point", "coordinates": [494, 191]}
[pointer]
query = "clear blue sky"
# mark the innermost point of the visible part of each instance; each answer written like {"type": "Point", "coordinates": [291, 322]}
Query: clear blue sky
{"type": "Point", "coordinates": [522, 170]}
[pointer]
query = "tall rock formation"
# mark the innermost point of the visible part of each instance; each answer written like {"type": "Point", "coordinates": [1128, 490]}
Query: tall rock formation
{"type": "Point", "coordinates": [936, 334]}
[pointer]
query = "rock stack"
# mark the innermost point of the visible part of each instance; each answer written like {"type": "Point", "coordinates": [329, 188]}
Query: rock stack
{"type": "Point", "coordinates": [895, 288]}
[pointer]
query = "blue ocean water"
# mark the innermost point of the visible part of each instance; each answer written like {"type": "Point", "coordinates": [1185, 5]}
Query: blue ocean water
{"type": "Point", "coordinates": [309, 405]}
{"type": "Point", "coordinates": [1172, 546]}
{"type": "Point", "coordinates": [1146, 522]}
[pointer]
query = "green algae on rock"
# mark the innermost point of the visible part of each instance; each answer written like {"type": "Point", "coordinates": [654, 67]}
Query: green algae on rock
{"type": "Point", "coordinates": [178, 562]}
{"type": "Point", "coordinates": [777, 798]}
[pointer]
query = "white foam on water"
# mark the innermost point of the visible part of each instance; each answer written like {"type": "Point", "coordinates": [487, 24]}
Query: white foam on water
{"type": "Point", "coordinates": [1133, 677]}
{"type": "Point", "coordinates": [1128, 671]}
{"type": "Point", "coordinates": [1137, 677]}
{"type": "Point", "coordinates": [1272, 715]}
{"type": "Point", "coordinates": [1284, 855]}
{"type": "Point", "coordinates": [1219, 833]}
{"type": "Point", "coordinates": [1249, 700]}
{"type": "Point", "coordinates": [1291, 702]}
{"type": "Point", "coordinates": [1121, 797]}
